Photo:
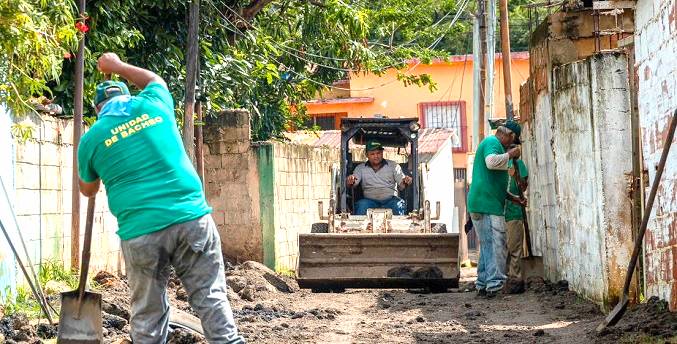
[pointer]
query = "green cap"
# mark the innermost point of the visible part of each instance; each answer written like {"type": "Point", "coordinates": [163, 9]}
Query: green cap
{"type": "Point", "coordinates": [374, 145]}
{"type": "Point", "coordinates": [515, 128]}
{"type": "Point", "coordinates": [109, 89]}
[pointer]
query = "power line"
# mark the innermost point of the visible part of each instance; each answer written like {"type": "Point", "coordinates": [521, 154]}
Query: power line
{"type": "Point", "coordinates": [286, 48]}
{"type": "Point", "coordinates": [432, 46]}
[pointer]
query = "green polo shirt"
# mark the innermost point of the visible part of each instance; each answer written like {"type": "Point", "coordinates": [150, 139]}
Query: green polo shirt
{"type": "Point", "coordinates": [514, 211]}
{"type": "Point", "coordinates": [489, 187]}
{"type": "Point", "coordinates": [136, 150]}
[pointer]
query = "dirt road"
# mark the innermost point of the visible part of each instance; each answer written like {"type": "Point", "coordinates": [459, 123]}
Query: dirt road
{"type": "Point", "coordinates": [270, 309]}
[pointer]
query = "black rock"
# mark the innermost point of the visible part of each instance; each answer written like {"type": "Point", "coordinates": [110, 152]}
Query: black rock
{"type": "Point", "coordinates": [113, 321]}
{"type": "Point", "coordinates": [420, 319]}
{"type": "Point", "coordinates": [539, 333]}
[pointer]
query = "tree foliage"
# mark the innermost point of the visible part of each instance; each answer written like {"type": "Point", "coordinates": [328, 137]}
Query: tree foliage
{"type": "Point", "coordinates": [35, 35]}
{"type": "Point", "coordinates": [267, 56]}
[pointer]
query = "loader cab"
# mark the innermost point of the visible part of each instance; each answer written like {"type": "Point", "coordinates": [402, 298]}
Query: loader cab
{"type": "Point", "coordinates": [397, 134]}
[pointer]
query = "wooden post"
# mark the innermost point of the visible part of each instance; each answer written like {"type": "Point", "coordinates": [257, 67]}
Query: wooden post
{"type": "Point", "coordinates": [77, 132]}
{"type": "Point", "coordinates": [191, 77]}
{"type": "Point", "coordinates": [505, 49]}
{"type": "Point", "coordinates": [199, 145]}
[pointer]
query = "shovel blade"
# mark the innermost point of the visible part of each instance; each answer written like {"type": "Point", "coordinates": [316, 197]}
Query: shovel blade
{"type": "Point", "coordinates": [85, 329]}
{"type": "Point", "coordinates": [615, 315]}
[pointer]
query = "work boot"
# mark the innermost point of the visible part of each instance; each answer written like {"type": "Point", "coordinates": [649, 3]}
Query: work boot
{"type": "Point", "coordinates": [482, 293]}
{"type": "Point", "coordinates": [492, 294]}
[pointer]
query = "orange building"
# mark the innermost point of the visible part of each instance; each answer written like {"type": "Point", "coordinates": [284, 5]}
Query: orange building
{"type": "Point", "coordinates": [449, 106]}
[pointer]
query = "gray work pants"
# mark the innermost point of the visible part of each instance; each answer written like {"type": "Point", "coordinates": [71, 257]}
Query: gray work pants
{"type": "Point", "coordinates": [194, 250]}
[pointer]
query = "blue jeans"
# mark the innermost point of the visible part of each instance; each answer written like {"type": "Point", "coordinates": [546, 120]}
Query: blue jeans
{"type": "Point", "coordinates": [395, 203]}
{"type": "Point", "coordinates": [491, 268]}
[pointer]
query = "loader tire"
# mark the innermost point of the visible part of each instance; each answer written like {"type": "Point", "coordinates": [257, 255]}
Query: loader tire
{"type": "Point", "coordinates": [438, 228]}
{"type": "Point", "coordinates": [319, 227]}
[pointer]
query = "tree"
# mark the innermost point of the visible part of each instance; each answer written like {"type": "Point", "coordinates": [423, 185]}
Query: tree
{"type": "Point", "coordinates": [36, 37]}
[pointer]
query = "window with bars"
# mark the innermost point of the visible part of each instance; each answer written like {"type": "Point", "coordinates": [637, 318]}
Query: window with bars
{"type": "Point", "coordinates": [446, 115]}
{"type": "Point", "coordinates": [325, 121]}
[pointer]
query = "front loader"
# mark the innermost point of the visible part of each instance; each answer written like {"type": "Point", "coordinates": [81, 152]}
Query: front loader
{"type": "Point", "coordinates": [379, 250]}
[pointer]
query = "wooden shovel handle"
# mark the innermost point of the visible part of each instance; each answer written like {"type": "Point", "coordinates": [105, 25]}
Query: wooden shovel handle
{"type": "Point", "coordinates": [86, 249]}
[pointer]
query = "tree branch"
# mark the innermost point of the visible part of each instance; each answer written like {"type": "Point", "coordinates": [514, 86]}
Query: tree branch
{"type": "Point", "coordinates": [254, 8]}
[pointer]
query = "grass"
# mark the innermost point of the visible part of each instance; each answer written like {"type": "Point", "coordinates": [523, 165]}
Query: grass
{"type": "Point", "coordinates": [24, 302]}
{"type": "Point", "coordinates": [647, 339]}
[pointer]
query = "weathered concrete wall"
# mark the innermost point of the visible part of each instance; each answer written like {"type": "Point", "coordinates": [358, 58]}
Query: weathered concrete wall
{"type": "Point", "coordinates": [232, 185]}
{"type": "Point", "coordinates": [655, 51]}
{"type": "Point", "coordinates": [302, 177]}
{"type": "Point", "coordinates": [41, 197]}
{"type": "Point", "coordinates": [578, 147]}
{"type": "Point", "coordinates": [262, 194]}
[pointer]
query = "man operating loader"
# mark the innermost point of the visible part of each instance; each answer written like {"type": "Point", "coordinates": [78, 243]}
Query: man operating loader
{"type": "Point", "coordinates": [381, 179]}
{"type": "Point", "coordinates": [135, 149]}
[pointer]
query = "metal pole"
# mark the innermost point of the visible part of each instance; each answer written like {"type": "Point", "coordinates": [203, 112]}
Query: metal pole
{"type": "Point", "coordinates": [191, 76]}
{"type": "Point", "coordinates": [505, 49]}
{"type": "Point", "coordinates": [77, 132]}
{"type": "Point", "coordinates": [491, 59]}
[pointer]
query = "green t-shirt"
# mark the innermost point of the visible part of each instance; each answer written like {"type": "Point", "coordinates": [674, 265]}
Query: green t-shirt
{"type": "Point", "coordinates": [489, 187]}
{"type": "Point", "coordinates": [136, 150]}
{"type": "Point", "coordinates": [514, 211]}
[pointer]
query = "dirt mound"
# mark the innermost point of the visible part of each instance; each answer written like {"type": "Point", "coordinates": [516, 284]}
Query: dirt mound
{"type": "Point", "coordinates": [252, 281]}
{"type": "Point", "coordinates": [651, 318]}
{"type": "Point", "coordinates": [105, 278]}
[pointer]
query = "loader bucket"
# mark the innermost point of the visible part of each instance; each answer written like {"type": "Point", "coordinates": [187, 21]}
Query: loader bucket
{"type": "Point", "coordinates": [335, 261]}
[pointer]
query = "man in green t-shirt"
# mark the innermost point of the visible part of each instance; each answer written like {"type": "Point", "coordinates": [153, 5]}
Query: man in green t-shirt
{"type": "Point", "coordinates": [514, 223]}
{"type": "Point", "coordinates": [134, 148]}
{"type": "Point", "coordinates": [486, 205]}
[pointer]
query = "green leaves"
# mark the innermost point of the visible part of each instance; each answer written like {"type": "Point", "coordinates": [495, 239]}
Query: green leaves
{"type": "Point", "coordinates": [35, 37]}
{"type": "Point", "coordinates": [269, 65]}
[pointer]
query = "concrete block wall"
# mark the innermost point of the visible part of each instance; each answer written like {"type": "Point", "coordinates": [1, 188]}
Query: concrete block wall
{"type": "Point", "coordinates": [578, 147]}
{"type": "Point", "coordinates": [232, 185]}
{"type": "Point", "coordinates": [302, 177]}
{"type": "Point", "coordinates": [656, 65]}
{"type": "Point", "coordinates": [42, 194]}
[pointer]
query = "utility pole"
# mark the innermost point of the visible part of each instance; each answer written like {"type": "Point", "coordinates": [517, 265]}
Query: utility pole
{"type": "Point", "coordinates": [77, 132]}
{"type": "Point", "coordinates": [481, 15]}
{"type": "Point", "coordinates": [191, 77]}
{"type": "Point", "coordinates": [491, 58]}
{"type": "Point", "coordinates": [477, 106]}
{"type": "Point", "coordinates": [505, 49]}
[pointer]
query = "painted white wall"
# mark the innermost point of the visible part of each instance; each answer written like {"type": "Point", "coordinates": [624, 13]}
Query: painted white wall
{"type": "Point", "coordinates": [655, 51]}
{"type": "Point", "coordinates": [7, 262]}
{"type": "Point", "coordinates": [439, 186]}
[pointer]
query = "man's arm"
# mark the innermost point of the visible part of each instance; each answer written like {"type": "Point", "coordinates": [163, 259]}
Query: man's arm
{"type": "Point", "coordinates": [90, 189]}
{"type": "Point", "coordinates": [355, 178]}
{"type": "Point", "coordinates": [500, 161]}
{"type": "Point", "coordinates": [110, 63]}
{"type": "Point", "coordinates": [402, 179]}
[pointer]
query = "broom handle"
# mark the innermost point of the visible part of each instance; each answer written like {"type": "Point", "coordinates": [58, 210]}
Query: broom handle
{"type": "Point", "coordinates": [649, 202]}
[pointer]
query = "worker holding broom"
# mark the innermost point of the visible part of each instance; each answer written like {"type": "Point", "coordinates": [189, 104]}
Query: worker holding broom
{"type": "Point", "coordinates": [134, 148]}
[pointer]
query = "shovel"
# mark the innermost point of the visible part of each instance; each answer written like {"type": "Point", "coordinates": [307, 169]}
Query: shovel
{"type": "Point", "coordinates": [617, 313]}
{"type": "Point", "coordinates": [80, 318]}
